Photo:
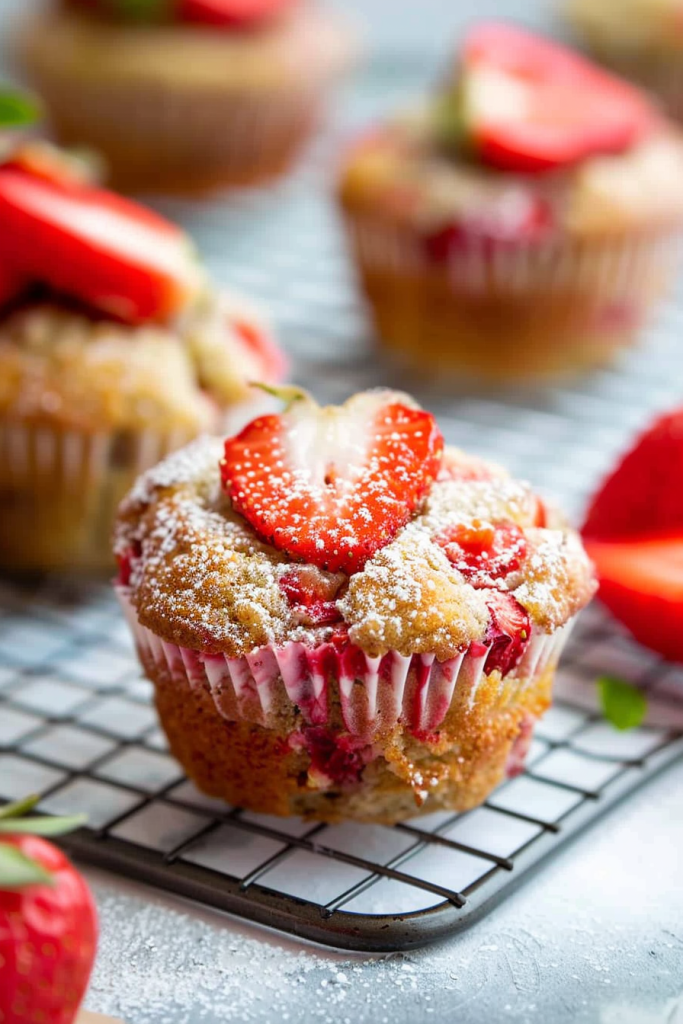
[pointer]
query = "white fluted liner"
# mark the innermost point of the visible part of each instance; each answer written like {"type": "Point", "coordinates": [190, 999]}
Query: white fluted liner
{"type": "Point", "coordinates": [622, 267]}
{"type": "Point", "coordinates": [375, 693]}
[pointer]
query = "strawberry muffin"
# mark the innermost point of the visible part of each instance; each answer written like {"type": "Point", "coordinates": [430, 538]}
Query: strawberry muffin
{"type": "Point", "coordinates": [190, 95]}
{"type": "Point", "coordinates": [521, 223]}
{"type": "Point", "coordinates": [114, 350]}
{"type": "Point", "coordinates": [343, 619]}
{"type": "Point", "coordinates": [640, 39]}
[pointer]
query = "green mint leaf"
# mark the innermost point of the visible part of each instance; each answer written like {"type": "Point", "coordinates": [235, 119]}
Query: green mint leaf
{"type": "Point", "coordinates": [623, 705]}
{"type": "Point", "coordinates": [18, 808]}
{"type": "Point", "coordinates": [17, 870]}
{"type": "Point", "coordinates": [17, 109]}
{"type": "Point", "coordinates": [42, 826]}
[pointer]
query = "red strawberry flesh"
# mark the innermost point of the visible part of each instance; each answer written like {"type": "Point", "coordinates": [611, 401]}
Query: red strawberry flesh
{"type": "Point", "coordinates": [47, 940]}
{"type": "Point", "coordinates": [332, 486]}
{"type": "Point", "coordinates": [644, 494]}
{"type": "Point", "coordinates": [230, 13]}
{"type": "Point", "coordinates": [508, 632]}
{"type": "Point", "coordinates": [641, 582]}
{"type": "Point", "coordinates": [484, 552]}
{"type": "Point", "coordinates": [551, 108]}
{"type": "Point", "coordinates": [312, 598]}
{"type": "Point", "coordinates": [100, 248]}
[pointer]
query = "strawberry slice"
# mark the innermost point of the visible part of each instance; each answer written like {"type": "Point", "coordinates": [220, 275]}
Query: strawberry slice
{"type": "Point", "coordinates": [484, 552]}
{"type": "Point", "coordinates": [531, 105]}
{"type": "Point", "coordinates": [225, 14]}
{"type": "Point", "coordinates": [641, 582]}
{"type": "Point", "coordinates": [311, 595]}
{"type": "Point", "coordinates": [95, 246]}
{"type": "Point", "coordinates": [508, 632]}
{"type": "Point", "coordinates": [643, 495]}
{"type": "Point", "coordinates": [230, 13]}
{"type": "Point", "coordinates": [331, 486]}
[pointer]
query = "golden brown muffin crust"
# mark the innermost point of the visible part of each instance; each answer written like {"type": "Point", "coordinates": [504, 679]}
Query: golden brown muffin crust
{"type": "Point", "coordinates": [201, 578]}
{"type": "Point", "coordinates": [61, 366]}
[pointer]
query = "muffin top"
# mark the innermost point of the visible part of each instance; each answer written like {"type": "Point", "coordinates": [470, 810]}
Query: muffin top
{"type": "Point", "coordinates": [107, 320]}
{"type": "Point", "coordinates": [346, 525]}
{"type": "Point", "coordinates": [523, 143]}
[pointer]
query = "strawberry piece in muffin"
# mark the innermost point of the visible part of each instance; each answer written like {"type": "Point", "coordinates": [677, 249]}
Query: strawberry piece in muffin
{"type": "Point", "coordinates": [332, 486]}
{"type": "Point", "coordinates": [484, 552]}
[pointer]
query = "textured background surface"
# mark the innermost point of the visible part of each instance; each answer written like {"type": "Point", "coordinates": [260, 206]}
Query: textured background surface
{"type": "Point", "coordinates": [598, 935]}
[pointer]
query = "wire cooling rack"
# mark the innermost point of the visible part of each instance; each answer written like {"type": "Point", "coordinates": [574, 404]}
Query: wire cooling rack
{"type": "Point", "coordinates": [76, 726]}
{"type": "Point", "coordinates": [76, 721]}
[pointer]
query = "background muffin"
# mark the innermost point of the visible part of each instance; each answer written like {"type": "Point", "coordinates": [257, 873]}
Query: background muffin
{"type": "Point", "coordinates": [114, 350]}
{"type": "Point", "coordinates": [640, 39]}
{"type": "Point", "coordinates": [206, 95]}
{"type": "Point", "coordinates": [522, 222]}
{"type": "Point", "coordinates": [355, 624]}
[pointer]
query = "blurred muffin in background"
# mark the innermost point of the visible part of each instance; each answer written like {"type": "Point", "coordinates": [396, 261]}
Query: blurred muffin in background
{"type": "Point", "coordinates": [522, 222]}
{"type": "Point", "coordinates": [114, 350]}
{"type": "Point", "coordinates": [640, 39]}
{"type": "Point", "coordinates": [190, 95]}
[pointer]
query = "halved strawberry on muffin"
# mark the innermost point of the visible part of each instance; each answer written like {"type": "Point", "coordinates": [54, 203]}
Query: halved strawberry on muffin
{"type": "Point", "coordinates": [341, 617]}
{"type": "Point", "coordinates": [521, 221]}
{"type": "Point", "coordinates": [114, 349]}
{"type": "Point", "coordinates": [634, 534]}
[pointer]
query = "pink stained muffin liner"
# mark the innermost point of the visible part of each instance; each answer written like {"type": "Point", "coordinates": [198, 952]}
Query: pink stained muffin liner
{"type": "Point", "coordinates": [376, 694]}
{"type": "Point", "coordinates": [602, 268]}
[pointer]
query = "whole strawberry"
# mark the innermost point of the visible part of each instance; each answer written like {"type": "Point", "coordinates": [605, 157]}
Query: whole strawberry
{"type": "Point", "coordinates": [48, 924]}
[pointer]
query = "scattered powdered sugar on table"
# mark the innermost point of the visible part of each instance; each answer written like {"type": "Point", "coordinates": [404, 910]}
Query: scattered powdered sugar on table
{"type": "Point", "coordinates": [595, 937]}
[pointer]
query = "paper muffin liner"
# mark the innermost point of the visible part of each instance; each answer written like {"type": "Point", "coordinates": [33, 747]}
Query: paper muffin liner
{"type": "Point", "coordinates": [184, 141]}
{"type": "Point", "coordinates": [502, 312]}
{"type": "Point", "coordinates": [601, 268]}
{"type": "Point", "coordinates": [375, 694]}
{"type": "Point", "coordinates": [61, 488]}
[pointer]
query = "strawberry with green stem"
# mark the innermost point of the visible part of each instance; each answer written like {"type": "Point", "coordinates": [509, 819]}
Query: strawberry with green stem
{"type": "Point", "coordinates": [48, 923]}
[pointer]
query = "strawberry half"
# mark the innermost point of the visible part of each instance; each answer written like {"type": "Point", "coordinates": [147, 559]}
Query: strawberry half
{"type": "Point", "coordinates": [643, 495]}
{"type": "Point", "coordinates": [48, 923]}
{"type": "Point", "coordinates": [331, 486]}
{"type": "Point", "coordinates": [641, 582]}
{"type": "Point", "coordinates": [528, 105]}
{"type": "Point", "coordinates": [106, 251]}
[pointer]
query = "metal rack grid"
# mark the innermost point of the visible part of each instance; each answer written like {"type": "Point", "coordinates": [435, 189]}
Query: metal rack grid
{"type": "Point", "coordinates": [76, 723]}
{"type": "Point", "coordinates": [76, 726]}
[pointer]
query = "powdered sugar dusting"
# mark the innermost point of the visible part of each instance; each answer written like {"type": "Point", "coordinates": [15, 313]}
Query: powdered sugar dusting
{"type": "Point", "coordinates": [202, 578]}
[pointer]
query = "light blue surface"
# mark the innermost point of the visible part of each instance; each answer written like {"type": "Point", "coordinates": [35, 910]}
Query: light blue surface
{"type": "Point", "coordinates": [597, 937]}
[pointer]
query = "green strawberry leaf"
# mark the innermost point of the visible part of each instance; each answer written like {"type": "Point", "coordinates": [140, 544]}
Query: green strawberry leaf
{"type": "Point", "coordinates": [42, 826]}
{"type": "Point", "coordinates": [142, 10]}
{"type": "Point", "coordinates": [19, 807]}
{"type": "Point", "coordinates": [17, 870]}
{"type": "Point", "coordinates": [623, 705]}
{"type": "Point", "coordinates": [17, 109]}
